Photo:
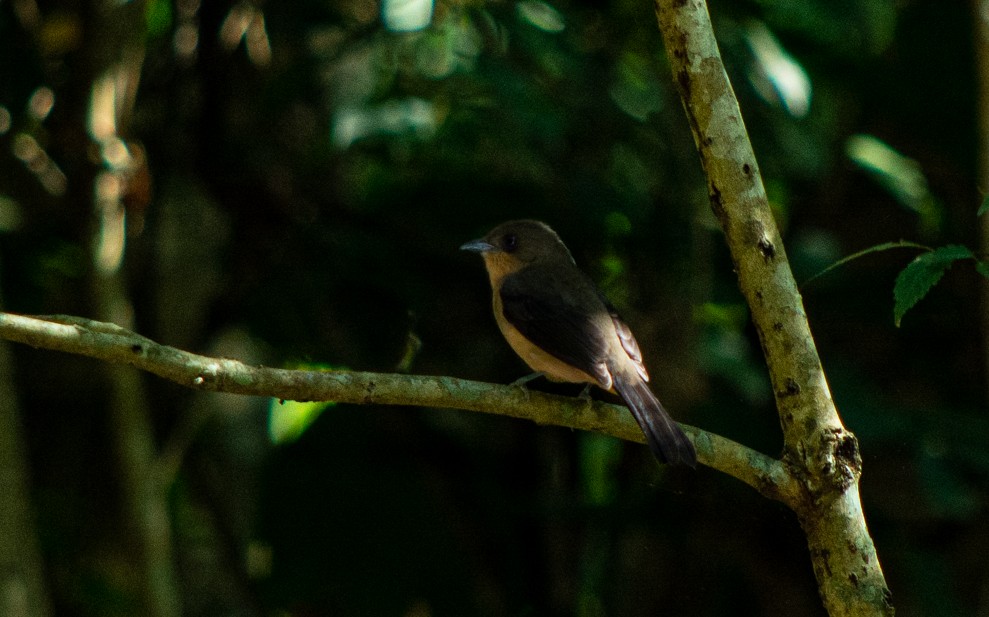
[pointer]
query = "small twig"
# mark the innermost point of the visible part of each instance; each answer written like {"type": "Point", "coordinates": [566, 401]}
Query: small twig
{"type": "Point", "coordinates": [901, 244]}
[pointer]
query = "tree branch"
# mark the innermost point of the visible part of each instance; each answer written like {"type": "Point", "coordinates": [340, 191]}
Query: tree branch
{"type": "Point", "coordinates": [817, 448]}
{"type": "Point", "coordinates": [111, 343]}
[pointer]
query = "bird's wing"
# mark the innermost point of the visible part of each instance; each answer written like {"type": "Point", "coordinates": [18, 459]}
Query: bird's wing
{"type": "Point", "coordinates": [629, 344]}
{"type": "Point", "coordinates": [561, 319]}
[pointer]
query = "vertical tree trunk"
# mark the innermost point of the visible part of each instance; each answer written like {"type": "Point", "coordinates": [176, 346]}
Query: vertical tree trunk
{"type": "Point", "coordinates": [818, 450]}
{"type": "Point", "coordinates": [22, 581]}
{"type": "Point", "coordinates": [118, 55]}
{"type": "Point", "coordinates": [980, 37]}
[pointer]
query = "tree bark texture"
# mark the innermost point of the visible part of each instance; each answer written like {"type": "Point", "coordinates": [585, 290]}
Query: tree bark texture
{"type": "Point", "coordinates": [112, 343]}
{"type": "Point", "coordinates": [819, 452]}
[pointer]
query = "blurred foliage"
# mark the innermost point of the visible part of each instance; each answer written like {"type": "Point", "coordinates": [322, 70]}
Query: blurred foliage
{"type": "Point", "coordinates": [308, 174]}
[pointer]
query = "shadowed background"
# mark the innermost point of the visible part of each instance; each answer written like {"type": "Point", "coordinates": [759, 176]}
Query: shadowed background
{"type": "Point", "coordinates": [288, 183]}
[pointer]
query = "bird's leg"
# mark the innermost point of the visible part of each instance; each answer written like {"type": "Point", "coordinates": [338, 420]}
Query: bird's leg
{"type": "Point", "coordinates": [521, 381]}
{"type": "Point", "coordinates": [585, 394]}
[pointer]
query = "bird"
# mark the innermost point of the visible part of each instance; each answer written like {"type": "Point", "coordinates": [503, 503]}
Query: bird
{"type": "Point", "coordinates": [562, 326]}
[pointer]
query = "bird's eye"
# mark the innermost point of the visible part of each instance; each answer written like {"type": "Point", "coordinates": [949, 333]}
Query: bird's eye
{"type": "Point", "coordinates": [510, 242]}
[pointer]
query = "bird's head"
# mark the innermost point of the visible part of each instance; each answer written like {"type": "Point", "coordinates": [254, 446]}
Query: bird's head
{"type": "Point", "coordinates": [515, 245]}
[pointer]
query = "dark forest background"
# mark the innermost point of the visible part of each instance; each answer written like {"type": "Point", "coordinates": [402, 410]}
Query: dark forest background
{"type": "Point", "coordinates": [287, 183]}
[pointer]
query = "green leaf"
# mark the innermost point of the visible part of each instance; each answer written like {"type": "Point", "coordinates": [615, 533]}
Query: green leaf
{"type": "Point", "coordinates": [921, 274]}
{"type": "Point", "coordinates": [288, 420]}
{"type": "Point", "coordinates": [902, 176]}
{"type": "Point", "coordinates": [984, 207]}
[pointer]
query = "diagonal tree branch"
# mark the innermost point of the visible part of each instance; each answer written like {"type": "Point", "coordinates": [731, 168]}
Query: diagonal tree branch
{"type": "Point", "coordinates": [111, 343]}
{"type": "Point", "coordinates": [818, 449]}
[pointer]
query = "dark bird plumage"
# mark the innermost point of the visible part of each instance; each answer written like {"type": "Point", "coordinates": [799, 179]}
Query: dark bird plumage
{"type": "Point", "coordinates": [558, 322]}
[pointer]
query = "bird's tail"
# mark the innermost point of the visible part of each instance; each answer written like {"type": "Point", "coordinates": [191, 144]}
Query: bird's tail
{"type": "Point", "coordinates": [666, 439]}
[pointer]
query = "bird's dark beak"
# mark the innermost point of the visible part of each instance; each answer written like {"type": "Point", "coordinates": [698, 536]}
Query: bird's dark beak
{"type": "Point", "coordinates": [477, 246]}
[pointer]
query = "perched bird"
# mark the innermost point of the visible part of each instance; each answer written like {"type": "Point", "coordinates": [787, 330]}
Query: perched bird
{"type": "Point", "coordinates": [558, 322]}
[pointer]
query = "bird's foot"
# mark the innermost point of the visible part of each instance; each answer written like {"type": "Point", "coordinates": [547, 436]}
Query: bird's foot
{"type": "Point", "coordinates": [521, 381]}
